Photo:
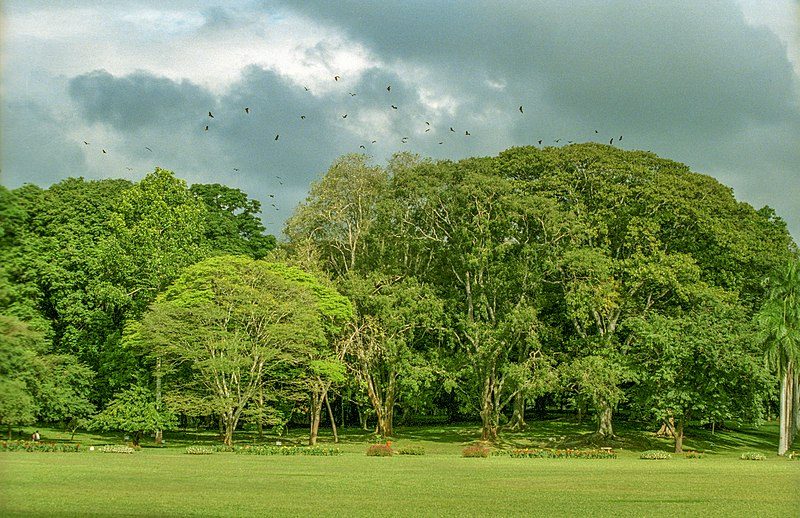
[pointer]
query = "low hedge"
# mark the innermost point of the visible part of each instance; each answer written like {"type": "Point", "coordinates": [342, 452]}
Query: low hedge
{"type": "Point", "coordinates": [379, 450]}
{"type": "Point", "coordinates": [476, 450]}
{"type": "Point", "coordinates": [199, 450]}
{"type": "Point", "coordinates": [752, 455]}
{"type": "Point", "coordinates": [116, 448]}
{"type": "Point", "coordinates": [546, 453]}
{"type": "Point", "coordinates": [317, 451]}
{"type": "Point", "coordinates": [655, 455]}
{"type": "Point", "coordinates": [411, 450]}
{"type": "Point", "coordinates": [33, 446]}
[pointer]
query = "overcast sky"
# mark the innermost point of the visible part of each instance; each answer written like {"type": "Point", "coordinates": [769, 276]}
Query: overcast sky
{"type": "Point", "coordinates": [713, 84]}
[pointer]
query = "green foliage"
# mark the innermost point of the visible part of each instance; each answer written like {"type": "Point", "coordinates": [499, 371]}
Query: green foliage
{"type": "Point", "coordinates": [411, 449]}
{"type": "Point", "coordinates": [313, 451]}
{"type": "Point", "coordinates": [134, 410]}
{"type": "Point", "coordinates": [47, 447]}
{"type": "Point", "coordinates": [561, 454]}
{"type": "Point", "coordinates": [655, 455]}
{"type": "Point", "coordinates": [116, 448]}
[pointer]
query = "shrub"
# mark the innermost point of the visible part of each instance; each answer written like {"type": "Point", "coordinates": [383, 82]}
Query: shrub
{"type": "Point", "coordinates": [379, 450]}
{"type": "Point", "coordinates": [318, 451]}
{"type": "Point", "coordinates": [752, 455]}
{"type": "Point", "coordinates": [222, 448]}
{"type": "Point", "coordinates": [475, 450]}
{"type": "Point", "coordinates": [537, 453]}
{"type": "Point", "coordinates": [693, 454]}
{"type": "Point", "coordinates": [411, 450]}
{"type": "Point", "coordinates": [115, 448]}
{"type": "Point", "coordinates": [46, 447]}
{"type": "Point", "coordinates": [655, 455]}
{"type": "Point", "coordinates": [793, 456]}
{"type": "Point", "coordinates": [199, 450]}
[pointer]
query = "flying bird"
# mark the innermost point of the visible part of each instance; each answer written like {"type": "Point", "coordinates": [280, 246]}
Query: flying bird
{"type": "Point", "coordinates": [540, 142]}
{"type": "Point", "coordinates": [467, 133]}
{"type": "Point", "coordinates": [558, 140]}
{"type": "Point", "coordinates": [85, 142]}
{"type": "Point", "coordinates": [306, 88]}
{"type": "Point", "coordinates": [611, 142]}
{"type": "Point", "coordinates": [344, 116]}
{"type": "Point", "coordinates": [394, 107]}
{"type": "Point", "coordinates": [362, 146]}
{"type": "Point", "coordinates": [374, 141]}
{"type": "Point", "coordinates": [620, 138]}
{"type": "Point", "coordinates": [129, 168]}
{"type": "Point", "coordinates": [247, 110]}
{"type": "Point", "coordinates": [209, 114]}
{"type": "Point", "coordinates": [441, 142]}
{"type": "Point", "coordinates": [104, 152]}
{"type": "Point", "coordinates": [389, 88]}
{"type": "Point", "coordinates": [427, 123]}
{"type": "Point", "coordinates": [276, 136]}
{"type": "Point", "coordinates": [451, 129]}
{"type": "Point", "coordinates": [147, 148]}
{"type": "Point", "coordinates": [351, 94]}
{"type": "Point", "coordinates": [235, 169]}
{"type": "Point", "coordinates": [520, 109]}
{"type": "Point", "coordinates": [596, 131]}
{"type": "Point", "coordinates": [302, 116]}
{"type": "Point", "coordinates": [206, 127]}
{"type": "Point", "coordinates": [427, 130]}
{"type": "Point", "coordinates": [335, 78]}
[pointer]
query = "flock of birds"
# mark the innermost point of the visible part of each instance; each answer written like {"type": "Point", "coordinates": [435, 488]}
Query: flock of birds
{"type": "Point", "coordinates": [403, 140]}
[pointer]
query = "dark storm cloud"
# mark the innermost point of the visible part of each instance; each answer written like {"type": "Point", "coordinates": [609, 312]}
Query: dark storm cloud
{"type": "Point", "coordinates": [139, 99]}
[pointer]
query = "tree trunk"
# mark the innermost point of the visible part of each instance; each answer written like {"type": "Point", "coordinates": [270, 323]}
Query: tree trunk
{"type": "Point", "coordinates": [333, 421]}
{"type": "Point", "coordinates": [518, 417]}
{"type": "Point", "coordinates": [795, 407]}
{"type": "Point", "coordinates": [9, 432]}
{"type": "Point", "coordinates": [488, 424]}
{"type": "Point", "coordinates": [159, 432]}
{"type": "Point", "coordinates": [316, 412]}
{"type": "Point", "coordinates": [785, 411]}
{"type": "Point", "coordinates": [667, 428]}
{"type": "Point", "coordinates": [261, 413]}
{"type": "Point", "coordinates": [679, 436]}
{"type": "Point", "coordinates": [604, 428]}
{"type": "Point", "coordinates": [136, 437]}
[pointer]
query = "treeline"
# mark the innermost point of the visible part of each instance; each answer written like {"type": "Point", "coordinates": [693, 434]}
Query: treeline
{"type": "Point", "coordinates": [586, 276]}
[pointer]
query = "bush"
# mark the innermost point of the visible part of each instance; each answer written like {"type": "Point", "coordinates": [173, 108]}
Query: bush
{"type": "Point", "coordinates": [115, 448]}
{"type": "Point", "coordinates": [379, 450]}
{"type": "Point", "coordinates": [752, 455]}
{"type": "Point", "coordinates": [199, 450]}
{"type": "Point", "coordinates": [537, 453]}
{"type": "Point", "coordinates": [655, 455]}
{"type": "Point", "coordinates": [222, 448]}
{"type": "Point", "coordinates": [411, 450]}
{"type": "Point", "coordinates": [693, 454]}
{"type": "Point", "coordinates": [475, 450]}
{"type": "Point", "coordinates": [317, 451]}
{"type": "Point", "coordinates": [46, 447]}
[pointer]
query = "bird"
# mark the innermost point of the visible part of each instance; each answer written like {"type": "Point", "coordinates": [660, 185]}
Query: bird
{"type": "Point", "coordinates": [569, 142]}
{"type": "Point", "coordinates": [451, 129]}
{"type": "Point", "coordinates": [540, 142]}
{"type": "Point", "coordinates": [247, 110]}
{"type": "Point", "coordinates": [362, 146]}
{"type": "Point", "coordinates": [611, 142]}
{"type": "Point", "coordinates": [209, 114]}
{"type": "Point", "coordinates": [389, 88]}
{"type": "Point", "coordinates": [129, 168]}
{"type": "Point", "coordinates": [271, 195]}
{"type": "Point", "coordinates": [235, 169]}
{"type": "Point", "coordinates": [351, 94]}
{"type": "Point", "coordinates": [302, 116]}
{"type": "Point", "coordinates": [374, 141]}
{"type": "Point", "coordinates": [467, 133]}
{"type": "Point", "coordinates": [335, 78]}
{"type": "Point", "coordinates": [404, 140]}
{"type": "Point", "coordinates": [147, 148]}
{"type": "Point", "coordinates": [394, 107]}
{"type": "Point", "coordinates": [344, 116]}
{"type": "Point", "coordinates": [206, 127]}
{"type": "Point", "coordinates": [596, 131]}
{"type": "Point", "coordinates": [85, 142]}
{"type": "Point", "coordinates": [427, 130]}
{"type": "Point", "coordinates": [520, 109]}
{"type": "Point", "coordinates": [104, 152]}
{"type": "Point", "coordinates": [306, 88]}
{"type": "Point", "coordinates": [441, 142]}
{"type": "Point", "coordinates": [620, 137]}
{"type": "Point", "coordinates": [427, 123]}
{"type": "Point", "coordinates": [276, 136]}
{"type": "Point", "coordinates": [558, 140]}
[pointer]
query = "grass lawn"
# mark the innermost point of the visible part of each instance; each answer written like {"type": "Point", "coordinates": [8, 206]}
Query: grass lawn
{"type": "Point", "coordinates": [167, 482]}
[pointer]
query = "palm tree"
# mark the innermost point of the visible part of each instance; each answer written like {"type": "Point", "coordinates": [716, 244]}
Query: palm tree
{"type": "Point", "coordinates": [779, 320]}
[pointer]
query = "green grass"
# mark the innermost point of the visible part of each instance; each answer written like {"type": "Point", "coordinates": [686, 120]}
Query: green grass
{"type": "Point", "coordinates": [165, 481]}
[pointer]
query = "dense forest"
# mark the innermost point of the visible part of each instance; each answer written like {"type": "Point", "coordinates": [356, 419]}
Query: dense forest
{"type": "Point", "coordinates": [584, 279]}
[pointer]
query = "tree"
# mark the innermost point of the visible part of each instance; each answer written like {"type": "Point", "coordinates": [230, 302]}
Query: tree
{"type": "Point", "coordinates": [229, 325]}
{"type": "Point", "coordinates": [779, 321]}
{"type": "Point", "coordinates": [134, 411]}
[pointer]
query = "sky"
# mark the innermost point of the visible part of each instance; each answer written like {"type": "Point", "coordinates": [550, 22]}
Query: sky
{"type": "Point", "coordinates": [713, 84]}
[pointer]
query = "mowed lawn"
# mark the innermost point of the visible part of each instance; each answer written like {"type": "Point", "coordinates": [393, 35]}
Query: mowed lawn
{"type": "Point", "coordinates": [168, 482]}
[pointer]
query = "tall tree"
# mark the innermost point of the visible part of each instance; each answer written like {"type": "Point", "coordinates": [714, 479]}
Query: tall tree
{"type": "Point", "coordinates": [779, 320]}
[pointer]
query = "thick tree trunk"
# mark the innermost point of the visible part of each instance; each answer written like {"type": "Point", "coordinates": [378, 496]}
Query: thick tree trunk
{"type": "Point", "coordinates": [488, 421]}
{"type": "Point", "coordinates": [785, 425]}
{"type": "Point", "coordinates": [667, 428]}
{"type": "Point", "coordinates": [796, 406]}
{"type": "Point", "coordinates": [316, 413]}
{"type": "Point", "coordinates": [518, 417]}
{"type": "Point", "coordinates": [260, 413]}
{"type": "Point", "coordinates": [333, 421]}
{"type": "Point", "coordinates": [604, 427]}
{"type": "Point", "coordinates": [9, 432]}
{"type": "Point", "coordinates": [679, 436]}
{"type": "Point", "coordinates": [159, 432]}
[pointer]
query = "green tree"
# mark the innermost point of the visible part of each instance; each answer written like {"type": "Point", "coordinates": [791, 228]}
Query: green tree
{"type": "Point", "coordinates": [236, 324]}
{"type": "Point", "coordinates": [779, 321]}
{"type": "Point", "coordinates": [135, 411]}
